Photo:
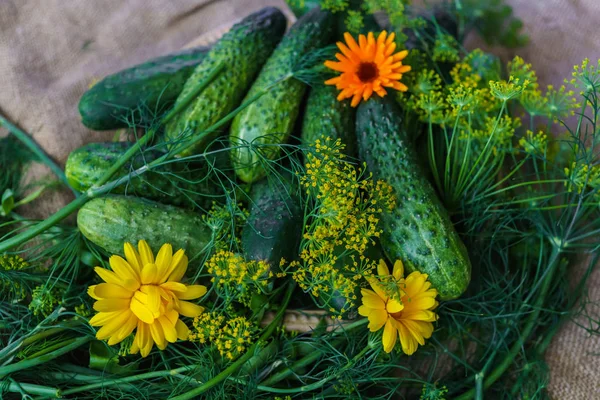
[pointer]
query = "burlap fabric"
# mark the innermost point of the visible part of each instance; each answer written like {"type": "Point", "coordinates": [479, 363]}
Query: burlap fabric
{"type": "Point", "coordinates": [50, 50]}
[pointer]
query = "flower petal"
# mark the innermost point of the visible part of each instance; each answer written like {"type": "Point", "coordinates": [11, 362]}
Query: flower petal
{"type": "Point", "coordinates": [149, 274]}
{"type": "Point", "coordinates": [113, 326]}
{"type": "Point", "coordinates": [122, 268]}
{"type": "Point", "coordinates": [174, 287]}
{"type": "Point", "coordinates": [179, 270]}
{"type": "Point", "coordinates": [188, 309]}
{"type": "Point", "coordinates": [169, 329]}
{"type": "Point", "coordinates": [132, 257]}
{"type": "Point", "coordinates": [110, 290]}
{"type": "Point", "coordinates": [141, 311]}
{"type": "Point", "coordinates": [102, 318]}
{"type": "Point", "coordinates": [408, 342]}
{"type": "Point", "coordinates": [192, 292]}
{"type": "Point", "coordinates": [108, 305]}
{"type": "Point", "coordinates": [398, 271]}
{"type": "Point", "coordinates": [124, 331]}
{"type": "Point", "coordinates": [164, 258]}
{"type": "Point", "coordinates": [183, 332]}
{"type": "Point", "coordinates": [377, 318]}
{"type": "Point", "coordinates": [92, 292]}
{"type": "Point", "coordinates": [393, 306]}
{"type": "Point", "coordinates": [145, 253]}
{"type": "Point", "coordinates": [389, 336]}
{"type": "Point", "coordinates": [382, 268]}
{"type": "Point", "coordinates": [372, 299]}
{"type": "Point", "coordinates": [158, 335]}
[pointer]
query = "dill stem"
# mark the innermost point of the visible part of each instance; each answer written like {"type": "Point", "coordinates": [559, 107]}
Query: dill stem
{"type": "Point", "coordinates": [309, 358]}
{"type": "Point", "coordinates": [194, 393]}
{"type": "Point", "coordinates": [127, 379]}
{"type": "Point", "coordinates": [32, 145]}
{"type": "Point", "coordinates": [523, 336]}
{"type": "Point", "coordinates": [150, 134]}
{"type": "Point", "coordinates": [11, 368]}
{"type": "Point", "coordinates": [29, 388]}
{"type": "Point", "coordinates": [320, 383]}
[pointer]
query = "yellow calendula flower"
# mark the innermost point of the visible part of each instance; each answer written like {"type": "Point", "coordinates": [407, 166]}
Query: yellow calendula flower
{"type": "Point", "coordinates": [403, 307]}
{"type": "Point", "coordinates": [367, 67]}
{"type": "Point", "coordinates": [144, 293]}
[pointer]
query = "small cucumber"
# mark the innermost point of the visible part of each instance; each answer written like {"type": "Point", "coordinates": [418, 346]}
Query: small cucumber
{"type": "Point", "coordinates": [325, 116]}
{"type": "Point", "coordinates": [111, 221]}
{"type": "Point", "coordinates": [155, 84]}
{"type": "Point", "coordinates": [243, 51]}
{"type": "Point", "coordinates": [418, 230]}
{"type": "Point", "coordinates": [168, 185]}
{"type": "Point", "coordinates": [270, 119]}
{"type": "Point", "coordinates": [274, 227]}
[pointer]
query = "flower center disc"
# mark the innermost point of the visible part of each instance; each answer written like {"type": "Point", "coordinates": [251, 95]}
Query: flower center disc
{"type": "Point", "coordinates": [367, 72]}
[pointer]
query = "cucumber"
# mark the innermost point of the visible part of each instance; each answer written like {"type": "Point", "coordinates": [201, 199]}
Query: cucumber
{"type": "Point", "coordinates": [243, 50]}
{"type": "Point", "coordinates": [155, 84]}
{"type": "Point", "coordinates": [113, 220]}
{"type": "Point", "coordinates": [168, 185]}
{"type": "Point", "coordinates": [325, 116]}
{"type": "Point", "coordinates": [418, 230]}
{"type": "Point", "coordinates": [274, 227]}
{"type": "Point", "coordinates": [270, 119]}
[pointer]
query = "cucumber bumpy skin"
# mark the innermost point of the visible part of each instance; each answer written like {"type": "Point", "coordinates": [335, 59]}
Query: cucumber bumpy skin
{"type": "Point", "coordinates": [274, 227]}
{"type": "Point", "coordinates": [156, 84]}
{"type": "Point", "coordinates": [418, 230]}
{"type": "Point", "coordinates": [325, 116]}
{"type": "Point", "coordinates": [111, 221]}
{"type": "Point", "coordinates": [270, 119]}
{"type": "Point", "coordinates": [87, 164]}
{"type": "Point", "coordinates": [243, 51]}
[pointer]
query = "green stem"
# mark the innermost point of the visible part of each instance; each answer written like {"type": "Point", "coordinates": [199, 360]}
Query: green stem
{"type": "Point", "coordinates": [127, 379]}
{"type": "Point", "coordinates": [309, 358]}
{"type": "Point", "coordinates": [319, 384]}
{"type": "Point", "coordinates": [37, 150]}
{"type": "Point", "coordinates": [150, 135]}
{"type": "Point", "coordinates": [194, 393]}
{"type": "Point", "coordinates": [29, 388]}
{"type": "Point", "coordinates": [518, 345]}
{"type": "Point", "coordinates": [11, 368]}
{"type": "Point", "coordinates": [50, 349]}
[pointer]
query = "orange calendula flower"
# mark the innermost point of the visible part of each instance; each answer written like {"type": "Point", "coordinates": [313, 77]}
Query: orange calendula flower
{"type": "Point", "coordinates": [368, 67]}
{"type": "Point", "coordinates": [144, 293]}
{"type": "Point", "coordinates": [403, 307]}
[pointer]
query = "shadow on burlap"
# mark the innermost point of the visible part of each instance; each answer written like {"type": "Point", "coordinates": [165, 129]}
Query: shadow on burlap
{"type": "Point", "coordinates": [51, 51]}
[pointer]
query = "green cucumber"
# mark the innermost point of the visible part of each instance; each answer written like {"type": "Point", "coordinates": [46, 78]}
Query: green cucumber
{"type": "Point", "coordinates": [325, 116]}
{"type": "Point", "coordinates": [243, 50]}
{"type": "Point", "coordinates": [418, 230]}
{"type": "Point", "coordinates": [166, 184]}
{"type": "Point", "coordinates": [111, 221]}
{"type": "Point", "coordinates": [270, 119]}
{"type": "Point", "coordinates": [156, 84]}
{"type": "Point", "coordinates": [274, 227]}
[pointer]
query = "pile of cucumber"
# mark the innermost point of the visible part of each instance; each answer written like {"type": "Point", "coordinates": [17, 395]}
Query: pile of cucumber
{"type": "Point", "coordinates": [256, 90]}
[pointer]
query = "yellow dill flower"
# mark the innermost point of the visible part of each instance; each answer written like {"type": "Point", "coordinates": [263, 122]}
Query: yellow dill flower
{"type": "Point", "coordinates": [534, 144]}
{"type": "Point", "coordinates": [234, 276]}
{"type": "Point", "coordinates": [507, 90]}
{"type": "Point", "coordinates": [367, 67]}
{"type": "Point", "coordinates": [144, 293]}
{"type": "Point", "coordinates": [561, 103]}
{"type": "Point", "coordinates": [445, 49]}
{"type": "Point", "coordinates": [582, 176]}
{"type": "Point", "coordinates": [586, 76]}
{"type": "Point", "coordinates": [231, 337]}
{"type": "Point", "coordinates": [403, 307]}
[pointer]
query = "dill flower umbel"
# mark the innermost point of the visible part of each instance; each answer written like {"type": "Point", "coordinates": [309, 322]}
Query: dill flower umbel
{"type": "Point", "coordinates": [231, 337]}
{"type": "Point", "coordinates": [403, 307]}
{"type": "Point", "coordinates": [144, 293]}
{"type": "Point", "coordinates": [367, 67]}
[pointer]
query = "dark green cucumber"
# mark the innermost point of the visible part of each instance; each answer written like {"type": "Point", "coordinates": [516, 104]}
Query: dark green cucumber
{"type": "Point", "coordinates": [243, 51]}
{"type": "Point", "coordinates": [418, 230]}
{"type": "Point", "coordinates": [325, 116]}
{"type": "Point", "coordinates": [274, 227]}
{"type": "Point", "coordinates": [166, 184]}
{"type": "Point", "coordinates": [111, 221]}
{"type": "Point", "coordinates": [271, 118]}
{"type": "Point", "coordinates": [154, 84]}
